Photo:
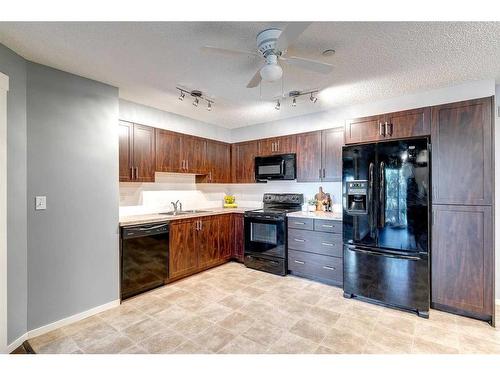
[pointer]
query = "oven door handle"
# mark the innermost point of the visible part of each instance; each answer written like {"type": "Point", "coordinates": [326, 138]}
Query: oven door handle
{"type": "Point", "coordinates": [387, 255]}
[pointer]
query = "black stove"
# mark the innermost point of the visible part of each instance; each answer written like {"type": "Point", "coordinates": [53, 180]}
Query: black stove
{"type": "Point", "coordinates": [265, 232]}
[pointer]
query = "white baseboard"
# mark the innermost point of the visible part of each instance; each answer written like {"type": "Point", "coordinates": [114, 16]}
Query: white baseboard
{"type": "Point", "coordinates": [61, 323]}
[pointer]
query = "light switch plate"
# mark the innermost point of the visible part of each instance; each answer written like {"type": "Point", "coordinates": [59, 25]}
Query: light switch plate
{"type": "Point", "coordinates": [40, 203]}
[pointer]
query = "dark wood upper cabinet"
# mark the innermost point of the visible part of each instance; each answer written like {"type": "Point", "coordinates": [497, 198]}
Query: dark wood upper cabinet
{"type": "Point", "coordinates": [126, 136]}
{"type": "Point", "coordinates": [364, 129]}
{"type": "Point", "coordinates": [193, 154]}
{"type": "Point", "coordinates": [319, 155]}
{"type": "Point", "coordinates": [411, 123]}
{"type": "Point", "coordinates": [402, 124]}
{"type": "Point", "coordinates": [218, 163]}
{"type": "Point", "coordinates": [331, 154]}
{"type": "Point", "coordinates": [309, 168]}
{"type": "Point", "coordinates": [168, 151]}
{"type": "Point", "coordinates": [462, 153]}
{"type": "Point", "coordinates": [243, 163]}
{"type": "Point", "coordinates": [207, 241]}
{"type": "Point", "coordinates": [278, 145]}
{"type": "Point", "coordinates": [183, 254]}
{"type": "Point", "coordinates": [144, 159]}
{"type": "Point", "coordinates": [462, 260]}
{"type": "Point", "coordinates": [136, 152]}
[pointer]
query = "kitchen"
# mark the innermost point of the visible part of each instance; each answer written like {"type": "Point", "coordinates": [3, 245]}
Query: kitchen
{"type": "Point", "coordinates": [361, 228]}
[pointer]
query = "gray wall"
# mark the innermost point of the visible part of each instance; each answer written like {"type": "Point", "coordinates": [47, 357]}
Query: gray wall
{"type": "Point", "coordinates": [73, 252]}
{"type": "Point", "coordinates": [17, 294]}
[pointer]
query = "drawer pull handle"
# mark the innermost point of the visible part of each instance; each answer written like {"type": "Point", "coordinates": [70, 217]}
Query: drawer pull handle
{"type": "Point", "coordinates": [299, 262]}
{"type": "Point", "coordinates": [299, 223]}
{"type": "Point", "coordinates": [299, 240]}
{"type": "Point", "coordinates": [327, 226]}
{"type": "Point", "coordinates": [326, 244]}
{"type": "Point", "coordinates": [329, 268]}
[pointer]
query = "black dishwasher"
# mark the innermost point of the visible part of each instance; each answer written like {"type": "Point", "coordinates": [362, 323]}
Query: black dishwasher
{"type": "Point", "coordinates": [144, 258]}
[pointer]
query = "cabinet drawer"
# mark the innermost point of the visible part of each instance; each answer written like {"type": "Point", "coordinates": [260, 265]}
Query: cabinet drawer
{"type": "Point", "coordinates": [328, 226]}
{"type": "Point", "coordinates": [315, 266]}
{"type": "Point", "coordinates": [315, 242]}
{"type": "Point", "coordinates": [300, 223]}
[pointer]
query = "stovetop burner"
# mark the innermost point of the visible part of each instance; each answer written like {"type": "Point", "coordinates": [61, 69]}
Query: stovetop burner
{"type": "Point", "coordinates": [279, 204]}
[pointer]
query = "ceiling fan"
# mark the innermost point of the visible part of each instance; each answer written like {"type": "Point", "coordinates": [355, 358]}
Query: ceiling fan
{"type": "Point", "coordinates": [272, 45]}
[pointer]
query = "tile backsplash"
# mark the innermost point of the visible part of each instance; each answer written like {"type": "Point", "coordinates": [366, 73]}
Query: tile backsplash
{"type": "Point", "coordinates": [138, 198]}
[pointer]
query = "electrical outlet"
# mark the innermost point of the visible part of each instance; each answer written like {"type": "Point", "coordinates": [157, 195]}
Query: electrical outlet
{"type": "Point", "coordinates": [40, 203]}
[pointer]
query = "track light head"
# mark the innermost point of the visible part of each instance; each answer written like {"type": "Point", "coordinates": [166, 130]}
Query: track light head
{"type": "Point", "coordinates": [181, 97]}
{"type": "Point", "coordinates": [209, 106]}
{"type": "Point", "coordinates": [195, 102]}
{"type": "Point", "coordinates": [313, 98]}
{"type": "Point", "coordinates": [278, 105]}
{"type": "Point", "coordinates": [294, 102]}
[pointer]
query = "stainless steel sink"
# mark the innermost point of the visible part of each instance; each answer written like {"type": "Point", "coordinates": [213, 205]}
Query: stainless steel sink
{"type": "Point", "coordinates": [187, 212]}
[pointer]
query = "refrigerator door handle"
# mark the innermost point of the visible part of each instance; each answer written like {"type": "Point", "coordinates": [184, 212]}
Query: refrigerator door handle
{"type": "Point", "coordinates": [382, 195]}
{"type": "Point", "coordinates": [387, 255]}
{"type": "Point", "coordinates": [369, 200]}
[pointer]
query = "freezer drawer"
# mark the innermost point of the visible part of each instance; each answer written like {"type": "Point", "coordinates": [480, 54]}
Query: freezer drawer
{"type": "Point", "coordinates": [396, 280]}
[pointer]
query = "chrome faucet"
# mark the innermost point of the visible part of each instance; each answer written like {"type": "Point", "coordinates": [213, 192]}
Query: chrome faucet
{"type": "Point", "coordinates": [177, 206]}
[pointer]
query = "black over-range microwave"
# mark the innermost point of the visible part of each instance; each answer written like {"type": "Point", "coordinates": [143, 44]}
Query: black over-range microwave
{"type": "Point", "coordinates": [276, 167]}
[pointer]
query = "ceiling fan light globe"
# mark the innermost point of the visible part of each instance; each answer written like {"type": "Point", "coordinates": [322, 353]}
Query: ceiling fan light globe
{"type": "Point", "coordinates": [271, 72]}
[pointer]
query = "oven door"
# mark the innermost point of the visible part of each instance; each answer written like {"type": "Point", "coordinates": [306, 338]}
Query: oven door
{"type": "Point", "coordinates": [265, 236]}
{"type": "Point", "coordinates": [269, 168]}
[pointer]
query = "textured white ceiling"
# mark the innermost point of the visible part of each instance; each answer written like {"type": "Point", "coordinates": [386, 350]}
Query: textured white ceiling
{"type": "Point", "coordinates": [372, 61]}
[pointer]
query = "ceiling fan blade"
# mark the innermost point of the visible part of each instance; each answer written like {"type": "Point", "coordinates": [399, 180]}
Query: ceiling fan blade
{"type": "Point", "coordinates": [228, 52]}
{"type": "Point", "coordinates": [254, 82]}
{"type": "Point", "coordinates": [290, 34]}
{"type": "Point", "coordinates": [313, 65]}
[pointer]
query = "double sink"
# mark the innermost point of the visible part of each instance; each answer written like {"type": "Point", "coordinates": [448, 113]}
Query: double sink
{"type": "Point", "coordinates": [187, 212]}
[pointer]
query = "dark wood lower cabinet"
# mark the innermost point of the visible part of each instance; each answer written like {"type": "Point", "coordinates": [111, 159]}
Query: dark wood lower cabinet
{"type": "Point", "coordinates": [462, 265]}
{"type": "Point", "coordinates": [239, 237]}
{"type": "Point", "coordinates": [201, 243]}
{"type": "Point", "coordinates": [183, 255]}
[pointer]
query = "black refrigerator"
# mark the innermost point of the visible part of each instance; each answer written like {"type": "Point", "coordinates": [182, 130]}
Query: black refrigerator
{"type": "Point", "coordinates": [386, 223]}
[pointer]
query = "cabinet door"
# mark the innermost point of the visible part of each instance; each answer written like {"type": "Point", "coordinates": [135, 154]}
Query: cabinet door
{"type": "Point", "coordinates": [462, 259]}
{"type": "Point", "coordinates": [331, 150]}
{"type": "Point", "coordinates": [462, 153]}
{"type": "Point", "coordinates": [244, 162]}
{"type": "Point", "coordinates": [168, 151]}
{"type": "Point", "coordinates": [221, 169]}
{"type": "Point", "coordinates": [411, 123]}
{"type": "Point", "coordinates": [194, 151]}
{"type": "Point", "coordinates": [226, 236]}
{"type": "Point", "coordinates": [309, 157]}
{"type": "Point", "coordinates": [183, 254]}
{"type": "Point", "coordinates": [126, 136]}
{"type": "Point", "coordinates": [286, 145]}
{"type": "Point", "coordinates": [266, 146]}
{"type": "Point", "coordinates": [207, 241]}
{"type": "Point", "coordinates": [364, 129]}
{"type": "Point", "coordinates": [238, 237]}
{"type": "Point", "coordinates": [144, 159]}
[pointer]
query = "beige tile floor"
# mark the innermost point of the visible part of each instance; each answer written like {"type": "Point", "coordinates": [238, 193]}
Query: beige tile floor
{"type": "Point", "coordinates": [232, 309]}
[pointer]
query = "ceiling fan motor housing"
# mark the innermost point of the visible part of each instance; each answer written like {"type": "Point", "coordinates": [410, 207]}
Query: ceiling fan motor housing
{"type": "Point", "coordinates": [266, 41]}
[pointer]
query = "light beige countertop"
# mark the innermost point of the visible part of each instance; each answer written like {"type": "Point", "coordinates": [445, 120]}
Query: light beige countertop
{"type": "Point", "coordinates": [337, 216]}
{"type": "Point", "coordinates": [156, 218]}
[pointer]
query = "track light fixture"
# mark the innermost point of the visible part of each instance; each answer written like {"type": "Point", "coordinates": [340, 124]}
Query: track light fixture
{"type": "Point", "coordinates": [197, 95]}
{"type": "Point", "coordinates": [294, 95]}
